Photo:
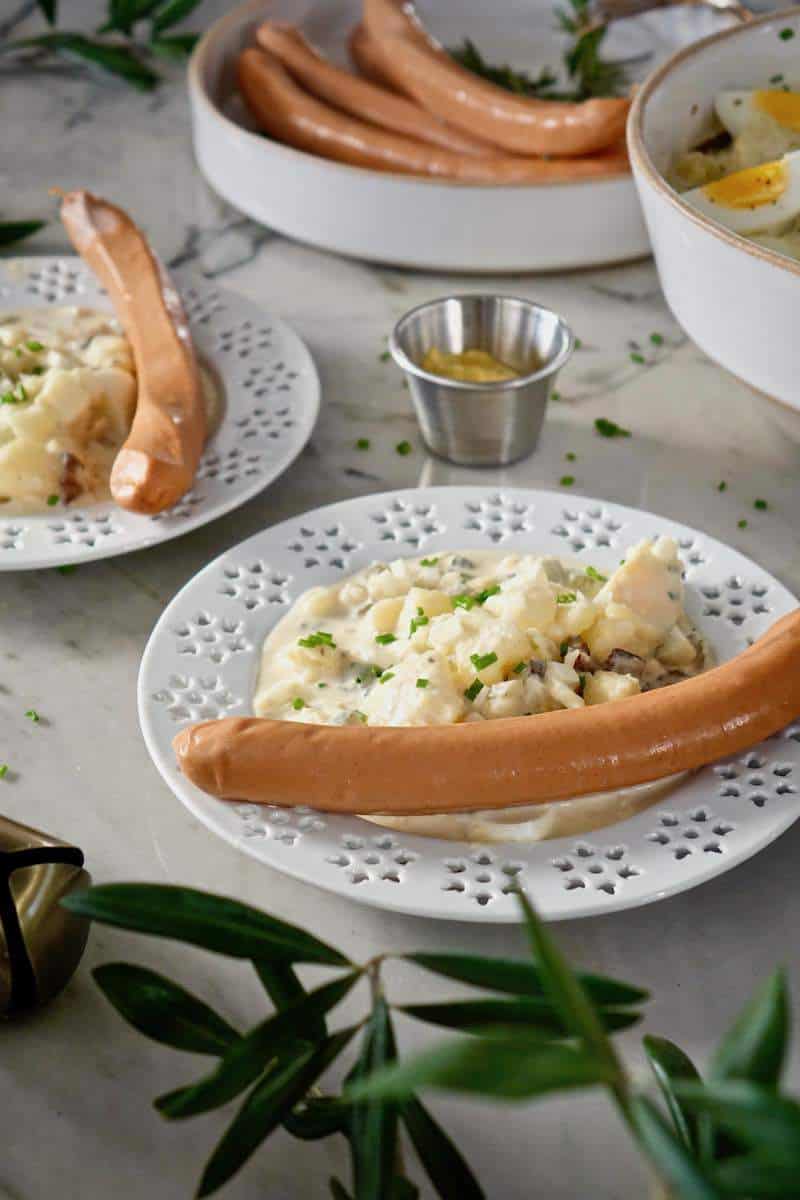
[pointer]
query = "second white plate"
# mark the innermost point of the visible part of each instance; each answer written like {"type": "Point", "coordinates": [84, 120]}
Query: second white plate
{"type": "Point", "coordinates": [270, 403]}
{"type": "Point", "coordinates": [203, 657]}
{"type": "Point", "coordinates": [416, 222]}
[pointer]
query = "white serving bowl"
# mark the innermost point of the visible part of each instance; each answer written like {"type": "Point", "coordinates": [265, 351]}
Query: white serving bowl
{"type": "Point", "coordinates": [735, 299]}
{"type": "Point", "coordinates": [409, 221]}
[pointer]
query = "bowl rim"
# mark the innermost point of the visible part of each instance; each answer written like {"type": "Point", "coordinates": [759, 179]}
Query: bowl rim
{"type": "Point", "coordinates": [548, 369]}
{"type": "Point", "coordinates": [643, 163]}
{"type": "Point", "coordinates": [199, 94]}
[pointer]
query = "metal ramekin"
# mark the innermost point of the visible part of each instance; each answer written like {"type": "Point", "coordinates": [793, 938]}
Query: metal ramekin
{"type": "Point", "coordinates": [482, 424]}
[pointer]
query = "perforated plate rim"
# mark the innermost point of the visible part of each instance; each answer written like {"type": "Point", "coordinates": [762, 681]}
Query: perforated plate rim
{"type": "Point", "coordinates": [203, 656]}
{"type": "Point", "coordinates": [271, 397]}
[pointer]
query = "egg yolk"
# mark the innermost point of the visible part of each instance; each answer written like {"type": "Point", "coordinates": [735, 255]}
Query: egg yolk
{"type": "Point", "coordinates": [752, 188]}
{"type": "Point", "coordinates": [783, 107]}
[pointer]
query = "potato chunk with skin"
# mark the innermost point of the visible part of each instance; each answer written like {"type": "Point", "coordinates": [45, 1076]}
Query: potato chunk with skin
{"type": "Point", "coordinates": [400, 701]}
{"type": "Point", "coordinates": [604, 686]}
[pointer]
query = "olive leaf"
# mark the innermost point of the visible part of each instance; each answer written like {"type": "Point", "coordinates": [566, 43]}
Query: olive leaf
{"type": "Point", "coordinates": [171, 13]}
{"type": "Point", "coordinates": [201, 919]}
{"type": "Point", "coordinates": [176, 47]}
{"type": "Point", "coordinates": [513, 1068]}
{"type": "Point", "coordinates": [443, 1162]}
{"type": "Point", "coordinates": [164, 1011]}
{"type": "Point", "coordinates": [674, 1161]}
{"type": "Point", "coordinates": [536, 1015]}
{"type": "Point", "coordinates": [123, 14]}
{"type": "Point", "coordinates": [754, 1047]}
{"type": "Point", "coordinates": [248, 1057]}
{"type": "Point", "coordinates": [755, 1178]}
{"type": "Point", "coordinates": [266, 1106]}
{"type": "Point", "coordinates": [15, 231]}
{"type": "Point", "coordinates": [114, 59]}
{"type": "Point", "coordinates": [318, 1117]}
{"type": "Point", "coordinates": [372, 1126]}
{"type": "Point", "coordinates": [519, 977]}
{"type": "Point", "coordinates": [753, 1113]}
{"type": "Point", "coordinates": [670, 1065]}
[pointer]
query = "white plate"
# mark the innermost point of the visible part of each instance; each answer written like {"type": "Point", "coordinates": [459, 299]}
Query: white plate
{"type": "Point", "coordinates": [413, 222]}
{"type": "Point", "coordinates": [271, 401]}
{"type": "Point", "coordinates": [202, 661]}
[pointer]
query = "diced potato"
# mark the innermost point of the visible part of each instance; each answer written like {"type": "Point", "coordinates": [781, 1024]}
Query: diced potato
{"type": "Point", "coordinates": [383, 615]}
{"type": "Point", "coordinates": [432, 603]}
{"type": "Point", "coordinates": [676, 650]}
{"type": "Point", "coordinates": [399, 701]}
{"type": "Point", "coordinates": [506, 641]}
{"type": "Point", "coordinates": [574, 618]}
{"type": "Point", "coordinates": [620, 629]}
{"type": "Point", "coordinates": [503, 699]}
{"type": "Point", "coordinates": [604, 686]}
{"type": "Point", "coordinates": [316, 602]}
{"type": "Point", "coordinates": [313, 662]}
{"type": "Point", "coordinates": [649, 584]}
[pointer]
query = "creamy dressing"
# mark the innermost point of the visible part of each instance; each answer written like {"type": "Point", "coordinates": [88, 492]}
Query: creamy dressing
{"type": "Point", "coordinates": [478, 635]}
{"type": "Point", "coordinates": [67, 401]}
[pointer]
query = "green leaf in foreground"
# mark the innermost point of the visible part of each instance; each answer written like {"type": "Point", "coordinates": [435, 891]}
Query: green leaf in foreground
{"type": "Point", "coordinates": [202, 919]}
{"type": "Point", "coordinates": [318, 1117]}
{"type": "Point", "coordinates": [769, 1123]}
{"type": "Point", "coordinates": [566, 993]}
{"type": "Point", "coordinates": [373, 1122]}
{"type": "Point", "coordinates": [163, 1011]}
{"type": "Point", "coordinates": [442, 1160]}
{"type": "Point", "coordinates": [266, 1106]}
{"type": "Point", "coordinates": [670, 1065]}
{"type": "Point", "coordinates": [176, 47]}
{"type": "Point", "coordinates": [534, 1014]}
{"type": "Point", "coordinates": [48, 10]}
{"type": "Point", "coordinates": [511, 1068]}
{"type": "Point", "coordinates": [106, 56]}
{"type": "Point", "coordinates": [674, 1162]}
{"type": "Point", "coordinates": [519, 977]}
{"type": "Point", "coordinates": [250, 1055]}
{"type": "Point", "coordinates": [754, 1048]}
{"type": "Point", "coordinates": [756, 1179]}
{"type": "Point", "coordinates": [16, 231]}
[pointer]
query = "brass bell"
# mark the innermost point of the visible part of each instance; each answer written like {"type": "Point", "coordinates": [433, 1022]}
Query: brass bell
{"type": "Point", "coordinates": [41, 943]}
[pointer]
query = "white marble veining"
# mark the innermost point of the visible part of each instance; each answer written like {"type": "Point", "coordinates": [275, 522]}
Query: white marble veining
{"type": "Point", "coordinates": [76, 1083]}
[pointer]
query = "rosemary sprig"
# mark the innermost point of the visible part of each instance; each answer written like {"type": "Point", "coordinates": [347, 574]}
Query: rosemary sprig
{"type": "Point", "coordinates": [543, 1028]}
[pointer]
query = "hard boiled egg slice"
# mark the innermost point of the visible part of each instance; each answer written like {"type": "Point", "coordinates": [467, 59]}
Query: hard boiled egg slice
{"type": "Point", "coordinates": [740, 111]}
{"type": "Point", "coordinates": [755, 200]}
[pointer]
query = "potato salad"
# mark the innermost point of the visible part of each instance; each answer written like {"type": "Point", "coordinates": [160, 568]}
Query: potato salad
{"type": "Point", "coordinates": [478, 635]}
{"type": "Point", "coordinates": [67, 398]}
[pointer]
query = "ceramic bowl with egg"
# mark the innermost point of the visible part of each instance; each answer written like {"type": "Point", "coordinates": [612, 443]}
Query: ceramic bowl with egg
{"type": "Point", "coordinates": [714, 136]}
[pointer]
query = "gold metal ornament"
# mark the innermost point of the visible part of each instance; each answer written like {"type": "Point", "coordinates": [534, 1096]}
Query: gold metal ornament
{"type": "Point", "coordinates": [40, 942]}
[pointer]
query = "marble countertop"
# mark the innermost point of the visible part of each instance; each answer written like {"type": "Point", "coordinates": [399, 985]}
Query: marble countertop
{"type": "Point", "coordinates": [77, 1083]}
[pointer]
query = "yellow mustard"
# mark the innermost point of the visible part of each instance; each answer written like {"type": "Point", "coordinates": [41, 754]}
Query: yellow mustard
{"type": "Point", "coordinates": [471, 366]}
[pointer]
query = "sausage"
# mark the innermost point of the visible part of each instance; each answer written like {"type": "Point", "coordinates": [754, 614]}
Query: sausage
{"type": "Point", "coordinates": [359, 97]}
{"type": "Point", "coordinates": [285, 111]}
{"type": "Point", "coordinates": [365, 54]}
{"type": "Point", "coordinates": [423, 69]}
{"type": "Point", "coordinates": [157, 463]}
{"type": "Point", "coordinates": [507, 762]}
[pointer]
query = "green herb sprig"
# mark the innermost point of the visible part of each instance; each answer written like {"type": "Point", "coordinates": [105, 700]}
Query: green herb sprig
{"type": "Point", "coordinates": [535, 1028]}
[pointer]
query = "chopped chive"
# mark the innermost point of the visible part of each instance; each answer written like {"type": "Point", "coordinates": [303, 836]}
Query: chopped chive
{"type": "Point", "coordinates": [566, 598]}
{"type": "Point", "coordinates": [384, 356]}
{"type": "Point", "coordinates": [742, 524]}
{"type": "Point", "coordinates": [52, 501]}
{"type": "Point", "coordinates": [322, 685]}
{"type": "Point", "coordinates": [776, 79]}
{"type": "Point", "coordinates": [556, 396]}
{"type": "Point", "coordinates": [403, 448]}
{"type": "Point", "coordinates": [385, 639]}
{"type": "Point", "coordinates": [577, 343]}
{"type": "Point", "coordinates": [483, 596]}
{"type": "Point", "coordinates": [464, 601]}
{"type": "Point", "coordinates": [386, 676]}
{"type": "Point", "coordinates": [362, 444]}
{"type": "Point", "coordinates": [610, 429]}
{"type": "Point", "coordinates": [481, 661]}
{"type": "Point", "coordinates": [519, 668]}
{"type": "Point", "coordinates": [570, 456]}
{"type": "Point", "coordinates": [637, 358]}
{"type": "Point", "coordinates": [361, 716]}
{"type": "Point", "coordinates": [581, 682]}
{"type": "Point", "coordinates": [566, 480]}
{"type": "Point", "coordinates": [320, 638]}
{"type": "Point", "coordinates": [18, 351]}
{"type": "Point", "coordinates": [593, 573]}
{"type": "Point", "coordinates": [66, 568]}
{"type": "Point", "coordinates": [8, 398]}
{"type": "Point", "coordinates": [786, 35]}
{"type": "Point", "coordinates": [428, 562]}
{"type": "Point", "coordinates": [418, 621]}
{"type": "Point", "coordinates": [722, 486]}
{"type": "Point", "coordinates": [422, 683]}
{"type": "Point", "coordinates": [298, 703]}
{"type": "Point", "coordinates": [563, 649]}
{"type": "Point", "coordinates": [3, 770]}
{"type": "Point", "coordinates": [761, 505]}
{"type": "Point", "coordinates": [34, 346]}
{"type": "Point", "coordinates": [36, 371]}
{"type": "Point", "coordinates": [657, 339]}
{"type": "Point", "coordinates": [474, 689]}
{"type": "Point", "coordinates": [32, 715]}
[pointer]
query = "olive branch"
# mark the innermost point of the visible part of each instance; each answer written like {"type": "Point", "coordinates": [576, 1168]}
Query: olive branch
{"type": "Point", "coordinates": [535, 1028]}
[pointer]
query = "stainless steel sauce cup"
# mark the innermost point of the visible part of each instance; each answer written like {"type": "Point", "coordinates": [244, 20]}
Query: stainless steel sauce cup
{"type": "Point", "coordinates": [482, 424]}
